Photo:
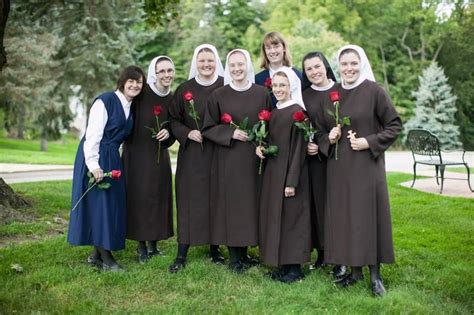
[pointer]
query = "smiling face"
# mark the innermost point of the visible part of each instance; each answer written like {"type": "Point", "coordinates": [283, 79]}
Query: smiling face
{"type": "Point", "coordinates": [349, 67]}
{"type": "Point", "coordinates": [316, 71]}
{"type": "Point", "coordinates": [164, 74]}
{"type": "Point", "coordinates": [206, 64]}
{"type": "Point", "coordinates": [281, 87]}
{"type": "Point", "coordinates": [238, 67]}
{"type": "Point", "coordinates": [275, 53]}
{"type": "Point", "coordinates": [132, 88]}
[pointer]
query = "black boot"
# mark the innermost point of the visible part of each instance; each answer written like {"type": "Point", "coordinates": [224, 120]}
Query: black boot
{"type": "Point", "coordinates": [215, 255]}
{"type": "Point", "coordinates": [354, 277]}
{"type": "Point", "coordinates": [279, 273]}
{"type": "Point", "coordinates": [108, 261]}
{"type": "Point", "coordinates": [142, 252]}
{"type": "Point", "coordinates": [294, 274]}
{"type": "Point", "coordinates": [153, 250]}
{"type": "Point", "coordinates": [94, 258]}
{"type": "Point", "coordinates": [235, 263]}
{"type": "Point", "coordinates": [376, 282]}
{"type": "Point", "coordinates": [180, 261]}
{"type": "Point", "coordinates": [338, 272]}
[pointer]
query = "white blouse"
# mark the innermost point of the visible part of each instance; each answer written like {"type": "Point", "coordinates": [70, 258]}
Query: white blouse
{"type": "Point", "coordinates": [95, 129]}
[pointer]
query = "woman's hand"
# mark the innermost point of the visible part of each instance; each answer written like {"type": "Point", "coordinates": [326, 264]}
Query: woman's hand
{"type": "Point", "coordinates": [162, 135]}
{"type": "Point", "coordinates": [335, 134]}
{"type": "Point", "coordinates": [259, 151]}
{"type": "Point", "coordinates": [313, 148]}
{"type": "Point", "coordinates": [240, 135]}
{"type": "Point", "coordinates": [195, 135]}
{"type": "Point", "coordinates": [357, 144]}
{"type": "Point", "coordinates": [290, 191]}
{"type": "Point", "coordinates": [98, 174]}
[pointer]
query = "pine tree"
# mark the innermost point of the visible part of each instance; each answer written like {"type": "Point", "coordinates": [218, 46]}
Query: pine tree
{"type": "Point", "coordinates": [435, 107]}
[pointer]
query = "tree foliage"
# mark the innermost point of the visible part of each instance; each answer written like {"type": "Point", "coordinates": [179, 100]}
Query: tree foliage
{"type": "Point", "coordinates": [435, 107]}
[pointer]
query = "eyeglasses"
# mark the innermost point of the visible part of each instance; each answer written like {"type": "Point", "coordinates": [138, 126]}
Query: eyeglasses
{"type": "Point", "coordinates": [167, 71]}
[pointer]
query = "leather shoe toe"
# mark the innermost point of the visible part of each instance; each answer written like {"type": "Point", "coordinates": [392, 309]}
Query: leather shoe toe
{"type": "Point", "coordinates": [378, 288]}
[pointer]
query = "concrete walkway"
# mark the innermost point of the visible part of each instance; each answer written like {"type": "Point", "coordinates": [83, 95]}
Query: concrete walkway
{"type": "Point", "coordinates": [396, 161]}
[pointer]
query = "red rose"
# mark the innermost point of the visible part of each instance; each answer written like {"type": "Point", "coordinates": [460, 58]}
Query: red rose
{"type": "Point", "coordinates": [116, 174]}
{"type": "Point", "coordinates": [157, 109]}
{"type": "Point", "coordinates": [264, 115]}
{"type": "Point", "coordinates": [268, 83]}
{"type": "Point", "coordinates": [334, 96]}
{"type": "Point", "coordinates": [226, 118]}
{"type": "Point", "coordinates": [299, 116]}
{"type": "Point", "coordinates": [188, 96]}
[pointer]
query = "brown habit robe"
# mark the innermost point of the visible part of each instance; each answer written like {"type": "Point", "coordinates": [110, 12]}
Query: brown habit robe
{"type": "Point", "coordinates": [148, 184]}
{"type": "Point", "coordinates": [358, 225]}
{"type": "Point", "coordinates": [194, 164]}
{"type": "Point", "coordinates": [317, 169]}
{"type": "Point", "coordinates": [234, 172]}
{"type": "Point", "coordinates": [285, 227]}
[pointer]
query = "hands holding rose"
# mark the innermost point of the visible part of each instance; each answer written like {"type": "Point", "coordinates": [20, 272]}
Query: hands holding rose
{"type": "Point", "coordinates": [259, 151]}
{"type": "Point", "coordinates": [240, 135]}
{"type": "Point", "coordinates": [313, 148]}
{"type": "Point", "coordinates": [162, 135]}
{"type": "Point", "coordinates": [195, 135]}
{"type": "Point", "coordinates": [98, 174]}
{"type": "Point", "coordinates": [357, 144]}
{"type": "Point", "coordinates": [290, 191]}
{"type": "Point", "coordinates": [335, 134]}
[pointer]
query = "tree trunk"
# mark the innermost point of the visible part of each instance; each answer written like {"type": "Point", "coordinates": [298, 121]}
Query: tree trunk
{"type": "Point", "coordinates": [10, 202]}
{"type": "Point", "coordinates": [44, 145]}
{"type": "Point", "coordinates": [5, 9]}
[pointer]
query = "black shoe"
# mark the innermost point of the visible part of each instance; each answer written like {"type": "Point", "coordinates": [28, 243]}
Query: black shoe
{"type": "Point", "coordinates": [277, 274]}
{"type": "Point", "coordinates": [179, 264]}
{"type": "Point", "coordinates": [338, 272]}
{"type": "Point", "coordinates": [319, 264]}
{"type": "Point", "coordinates": [291, 277]}
{"type": "Point", "coordinates": [217, 258]}
{"type": "Point", "coordinates": [95, 261]}
{"type": "Point", "coordinates": [142, 257]}
{"type": "Point", "coordinates": [237, 267]}
{"type": "Point", "coordinates": [377, 288]}
{"type": "Point", "coordinates": [155, 252]}
{"type": "Point", "coordinates": [249, 262]}
{"type": "Point", "coordinates": [112, 268]}
{"type": "Point", "coordinates": [348, 281]}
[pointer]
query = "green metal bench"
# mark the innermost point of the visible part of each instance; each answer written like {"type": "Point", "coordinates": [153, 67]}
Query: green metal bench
{"type": "Point", "coordinates": [424, 146]}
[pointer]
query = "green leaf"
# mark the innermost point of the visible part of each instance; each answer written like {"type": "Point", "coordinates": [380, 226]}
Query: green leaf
{"type": "Point", "coordinates": [346, 121]}
{"type": "Point", "coordinates": [104, 185]}
{"type": "Point", "coordinates": [300, 125]}
{"type": "Point", "coordinates": [244, 124]}
{"type": "Point", "coordinates": [91, 181]}
{"type": "Point", "coordinates": [271, 150]}
{"type": "Point", "coordinates": [330, 113]}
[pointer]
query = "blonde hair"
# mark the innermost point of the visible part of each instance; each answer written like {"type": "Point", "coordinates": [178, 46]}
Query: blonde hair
{"type": "Point", "coordinates": [274, 38]}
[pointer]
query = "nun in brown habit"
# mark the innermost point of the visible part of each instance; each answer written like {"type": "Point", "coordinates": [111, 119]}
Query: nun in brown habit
{"type": "Point", "coordinates": [285, 228]}
{"type": "Point", "coordinates": [234, 174]}
{"type": "Point", "coordinates": [358, 224]}
{"type": "Point", "coordinates": [147, 163]}
{"type": "Point", "coordinates": [193, 172]}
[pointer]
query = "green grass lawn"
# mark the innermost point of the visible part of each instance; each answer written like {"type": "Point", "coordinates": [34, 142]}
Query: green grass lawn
{"type": "Point", "coordinates": [433, 273]}
{"type": "Point", "coordinates": [28, 151]}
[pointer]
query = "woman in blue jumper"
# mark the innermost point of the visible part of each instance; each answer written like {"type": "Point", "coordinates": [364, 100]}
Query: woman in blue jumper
{"type": "Point", "coordinates": [98, 219]}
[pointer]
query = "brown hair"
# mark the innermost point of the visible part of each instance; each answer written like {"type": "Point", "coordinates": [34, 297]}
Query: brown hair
{"type": "Point", "coordinates": [204, 49]}
{"type": "Point", "coordinates": [348, 51]}
{"type": "Point", "coordinates": [131, 72]}
{"type": "Point", "coordinates": [274, 38]}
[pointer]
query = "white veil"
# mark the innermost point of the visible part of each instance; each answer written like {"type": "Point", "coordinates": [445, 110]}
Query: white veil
{"type": "Point", "coordinates": [365, 68]}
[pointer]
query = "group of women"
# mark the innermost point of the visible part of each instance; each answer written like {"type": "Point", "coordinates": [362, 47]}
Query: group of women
{"type": "Point", "coordinates": [328, 193]}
